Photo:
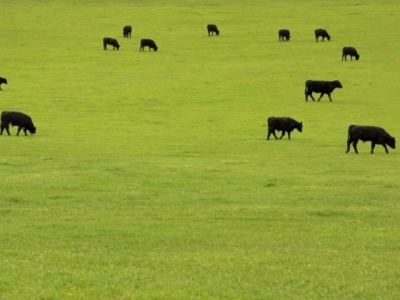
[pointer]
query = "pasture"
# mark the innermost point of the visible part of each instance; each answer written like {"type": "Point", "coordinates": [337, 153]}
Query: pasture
{"type": "Point", "coordinates": [150, 176]}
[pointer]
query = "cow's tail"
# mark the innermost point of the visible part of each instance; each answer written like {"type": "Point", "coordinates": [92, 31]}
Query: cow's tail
{"type": "Point", "coordinates": [348, 131]}
{"type": "Point", "coordinates": [305, 92]}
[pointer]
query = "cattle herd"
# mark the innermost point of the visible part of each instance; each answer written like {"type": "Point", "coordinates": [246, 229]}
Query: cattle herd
{"type": "Point", "coordinates": [376, 135]}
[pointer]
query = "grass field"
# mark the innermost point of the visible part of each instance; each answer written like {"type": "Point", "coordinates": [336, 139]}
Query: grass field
{"type": "Point", "coordinates": [150, 176]}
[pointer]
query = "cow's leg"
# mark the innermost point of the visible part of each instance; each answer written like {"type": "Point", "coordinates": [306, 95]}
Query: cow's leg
{"type": "Point", "coordinates": [268, 134]}
{"type": "Point", "coordinates": [1, 129]}
{"type": "Point", "coordinates": [355, 146]}
{"type": "Point", "coordinates": [273, 133]}
{"type": "Point", "coordinates": [6, 127]}
{"type": "Point", "coordinates": [329, 95]}
{"type": "Point", "coordinates": [320, 96]}
{"type": "Point", "coordinates": [348, 145]}
{"type": "Point", "coordinates": [283, 133]}
{"type": "Point", "coordinates": [372, 147]}
{"type": "Point", "coordinates": [25, 131]}
{"type": "Point", "coordinates": [386, 149]}
{"type": "Point", "coordinates": [19, 129]}
{"type": "Point", "coordinates": [288, 134]}
{"type": "Point", "coordinates": [312, 97]}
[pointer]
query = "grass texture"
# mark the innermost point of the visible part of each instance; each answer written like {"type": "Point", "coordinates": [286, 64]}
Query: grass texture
{"type": "Point", "coordinates": [150, 176]}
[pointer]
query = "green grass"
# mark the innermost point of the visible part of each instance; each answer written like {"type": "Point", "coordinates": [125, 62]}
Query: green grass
{"type": "Point", "coordinates": [150, 176]}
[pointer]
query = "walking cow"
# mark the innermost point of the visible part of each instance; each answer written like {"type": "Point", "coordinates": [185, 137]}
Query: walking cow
{"type": "Point", "coordinates": [2, 80]}
{"type": "Point", "coordinates": [374, 134]}
{"type": "Point", "coordinates": [284, 34]}
{"type": "Point", "coordinates": [148, 43]}
{"type": "Point", "coordinates": [322, 33]}
{"type": "Point", "coordinates": [350, 51]}
{"type": "Point", "coordinates": [110, 41]}
{"type": "Point", "coordinates": [323, 87]}
{"type": "Point", "coordinates": [127, 31]}
{"type": "Point", "coordinates": [283, 124]}
{"type": "Point", "coordinates": [211, 28]}
{"type": "Point", "coordinates": [16, 118]}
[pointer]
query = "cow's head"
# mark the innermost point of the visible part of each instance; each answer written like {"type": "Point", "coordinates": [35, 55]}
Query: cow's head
{"type": "Point", "coordinates": [32, 129]}
{"type": "Point", "coordinates": [299, 126]}
{"type": "Point", "coordinates": [338, 84]}
{"type": "Point", "coordinates": [391, 141]}
{"type": "Point", "coordinates": [357, 57]}
{"type": "Point", "coordinates": [155, 48]}
{"type": "Point", "coordinates": [328, 37]}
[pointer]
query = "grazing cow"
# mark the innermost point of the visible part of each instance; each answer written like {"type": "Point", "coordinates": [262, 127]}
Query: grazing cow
{"type": "Point", "coordinates": [110, 41]}
{"type": "Point", "coordinates": [284, 34]}
{"type": "Point", "coordinates": [323, 87]}
{"type": "Point", "coordinates": [211, 28]}
{"type": "Point", "coordinates": [2, 80]}
{"type": "Point", "coordinates": [376, 135]}
{"type": "Point", "coordinates": [127, 31]}
{"type": "Point", "coordinates": [322, 33]}
{"type": "Point", "coordinates": [19, 119]}
{"type": "Point", "coordinates": [283, 124]}
{"type": "Point", "coordinates": [350, 51]}
{"type": "Point", "coordinates": [148, 43]}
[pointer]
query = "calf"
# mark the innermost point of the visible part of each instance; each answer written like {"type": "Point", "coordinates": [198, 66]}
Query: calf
{"type": "Point", "coordinates": [19, 119]}
{"type": "Point", "coordinates": [284, 34]}
{"type": "Point", "coordinates": [376, 135]}
{"type": "Point", "coordinates": [211, 28]}
{"type": "Point", "coordinates": [148, 43]}
{"type": "Point", "coordinates": [110, 41]}
{"type": "Point", "coordinates": [323, 87]}
{"type": "Point", "coordinates": [127, 31]}
{"type": "Point", "coordinates": [2, 80]}
{"type": "Point", "coordinates": [322, 33]}
{"type": "Point", "coordinates": [350, 51]}
{"type": "Point", "coordinates": [283, 124]}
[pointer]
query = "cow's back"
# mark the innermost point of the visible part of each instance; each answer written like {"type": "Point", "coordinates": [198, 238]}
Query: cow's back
{"type": "Point", "coordinates": [15, 118]}
{"type": "Point", "coordinates": [366, 132]}
{"type": "Point", "coordinates": [281, 123]}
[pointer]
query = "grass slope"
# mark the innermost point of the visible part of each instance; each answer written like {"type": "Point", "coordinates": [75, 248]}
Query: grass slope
{"type": "Point", "coordinates": [150, 176]}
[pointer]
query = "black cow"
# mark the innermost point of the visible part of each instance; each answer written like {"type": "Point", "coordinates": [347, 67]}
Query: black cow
{"type": "Point", "coordinates": [2, 80]}
{"type": "Point", "coordinates": [284, 34]}
{"type": "Point", "coordinates": [127, 31]}
{"type": "Point", "coordinates": [350, 51]}
{"type": "Point", "coordinates": [323, 87]}
{"type": "Point", "coordinates": [148, 43]}
{"type": "Point", "coordinates": [376, 135]}
{"type": "Point", "coordinates": [283, 124]}
{"type": "Point", "coordinates": [16, 118]}
{"type": "Point", "coordinates": [110, 41]}
{"type": "Point", "coordinates": [211, 28]}
{"type": "Point", "coordinates": [322, 33]}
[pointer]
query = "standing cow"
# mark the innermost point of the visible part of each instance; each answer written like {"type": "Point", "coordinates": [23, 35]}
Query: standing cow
{"type": "Point", "coordinates": [376, 135]}
{"type": "Point", "coordinates": [127, 31]}
{"type": "Point", "coordinates": [284, 34]}
{"type": "Point", "coordinates": [322, 33]}
{"type": "Point", "coordinates": [16, 118]}
{"type": "Point", "coordinates": [2, 80]}
{"type": "Point", "coordinates": [211, 28]}
{"type": "Point", "coordinates": [148, 43]}
{"type": "Point", "coordinates": [350, 51]}
{"type": "Point", "coordinates": [283, 124]}
{"type": "Point", "coordinates": [323, 87]}
{"type": "Point", "coordinates": [110, 41]}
